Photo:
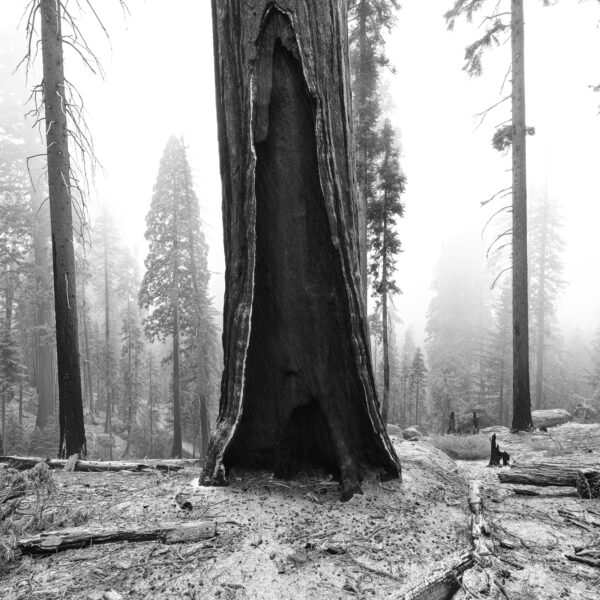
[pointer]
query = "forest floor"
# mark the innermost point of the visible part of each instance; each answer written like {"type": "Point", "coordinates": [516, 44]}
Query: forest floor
{"type": "Point", "coordinates": [295, 539]}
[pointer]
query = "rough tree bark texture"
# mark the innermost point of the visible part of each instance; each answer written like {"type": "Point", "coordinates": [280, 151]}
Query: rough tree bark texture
{"type": "Point", "coordinates": [521, 390]}
{"type": "Point", "coordinates": [72, 432]}
{"type": "Point", "coordinates": [541, 314]}
{"type": "Point", "coordinates": [297, 389]}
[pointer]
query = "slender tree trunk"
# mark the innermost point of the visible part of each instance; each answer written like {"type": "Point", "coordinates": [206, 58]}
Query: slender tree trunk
{"type": "Point", "coordinates": [177, 441]}
{"type": "Point", "coordinates": [21, 402]}
{"type": "Point", "coordinates": [541, 315]}
{"type": "Point", "coordinates": [109, 407]}
{"type": "Point", "coordinates": [417, 404]}
{"type": "Point", "coordinates": [297, 386]}
{"type": "Point", "coordinates": [384, 316]}
{"type": "Point", "coordinates": [72, 430]}
{"type": "Point", "coordinates": [362, 154]}
{"type": "Point", "coordinates": [204, 426]}
{"type": "Point", "coordinates": [130, 380]}
{"type": "Point", "coordinates": [88, 363]}
{"type": "Point", "coordinates": [521, 390]}
{"type": "Point", "coordinates": [43, 374]}
{"type": "Point", "coordinates": [4, 448]}
{"type": "Point", "coordinates": [151, 402]}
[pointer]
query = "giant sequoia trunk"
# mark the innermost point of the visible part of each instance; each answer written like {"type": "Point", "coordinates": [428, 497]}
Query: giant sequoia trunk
{"type": "Point", "coordinates": [297, 388]}
{"type": "Point", "coordinates": [72, 432]}
{"type": "Point", "coordinates": [521, 389]}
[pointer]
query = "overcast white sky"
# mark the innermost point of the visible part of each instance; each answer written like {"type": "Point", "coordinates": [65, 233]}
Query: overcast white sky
{"type": "Point", "coordinates": [159, 81]}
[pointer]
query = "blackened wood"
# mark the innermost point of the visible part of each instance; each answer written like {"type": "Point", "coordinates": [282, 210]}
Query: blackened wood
{"type": "Point", "coordinates": [496, 455]}
{"type": "Point", "coordinates": [297, 387]}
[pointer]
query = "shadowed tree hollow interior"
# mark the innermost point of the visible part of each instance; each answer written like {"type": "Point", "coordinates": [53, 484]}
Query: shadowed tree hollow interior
{"type": "Point", "coordinates": [304, 405]}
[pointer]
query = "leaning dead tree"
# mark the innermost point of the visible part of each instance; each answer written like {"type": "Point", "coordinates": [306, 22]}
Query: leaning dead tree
{"type": "Point", "coordinates": [297, 388]}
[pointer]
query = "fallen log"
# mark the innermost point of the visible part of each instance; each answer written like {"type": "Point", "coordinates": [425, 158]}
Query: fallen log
{"type": "Point", "coordinates": [480, 531]}
{"type": "Point", "coordinates": [559, 474]}
{"type": "Point", "coordinates": [22, 463]}
{"type": "Point", "coordinates": [442, 584]}
{"type": "Point", "coordinates": [80, 537]}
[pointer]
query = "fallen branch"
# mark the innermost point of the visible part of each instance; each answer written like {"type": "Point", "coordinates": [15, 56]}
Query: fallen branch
{"type": "Point", "coordinates": [23, 463]}
{"type": "Point", "coordinates": [442, 584]}
{"type": "Point", "coordinates": [592, 562]}
{"type": "Point", "coordinates": [79, 537]}
{"type": "Point", "coordinates": [480, 530]}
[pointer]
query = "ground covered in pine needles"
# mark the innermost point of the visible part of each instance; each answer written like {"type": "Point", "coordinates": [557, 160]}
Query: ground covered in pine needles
{"type": "Point", "coordinates": [280, 539]}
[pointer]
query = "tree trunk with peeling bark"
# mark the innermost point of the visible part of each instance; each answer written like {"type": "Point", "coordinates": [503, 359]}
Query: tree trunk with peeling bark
{"type": "Point", "coordinates": [72, 431]}
{"type": "Point", "coordinates": [521, 387]}
{"type": "Point", "coordinates": [297, 389]}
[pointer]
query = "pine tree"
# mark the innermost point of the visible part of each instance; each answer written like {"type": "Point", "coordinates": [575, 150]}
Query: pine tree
{"type": "Point", "coordinates": [368, 22]}
{"type": "Point", "coordinates": [174, 285]}
{"type": "Point", "coordinates": [132, 354]}
{"type": "Point", "coordinates": [384, 241]}
{"type": "Point", "coordinates": [458, 324]}
{"type": "Point", "coordinates": [417, 381]}
{"type": "Point", "coordinates": [546, 282]}
{"type": "Point", "coordinates": [408, 351]}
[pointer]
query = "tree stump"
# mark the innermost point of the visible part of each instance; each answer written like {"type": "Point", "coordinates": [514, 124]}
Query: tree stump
{"type": "Point", "coordinates": [475, 423]}
{"type": "Point", "coordinates": [451, 424]}
{"type": "Point", "coordinates": [496, 455]}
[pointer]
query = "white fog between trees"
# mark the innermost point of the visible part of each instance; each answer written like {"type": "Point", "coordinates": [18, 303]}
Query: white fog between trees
{"type": "Point", "coordinates": [424, 165]}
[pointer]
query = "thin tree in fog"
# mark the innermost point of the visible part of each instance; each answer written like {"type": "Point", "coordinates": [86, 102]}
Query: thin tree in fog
{"type": "Point", "coordinates": [408, 350]}
{"type": "Point", "coordinates": [546, 247]}
{"type": "Point", "coordinates": [385, 206]}
{"type": "Point", "coordinates": [417, 381]}
{"type": "Point", "coordinates": [368, 20]}
{"type": "Point", "coordinates": [512, 135]}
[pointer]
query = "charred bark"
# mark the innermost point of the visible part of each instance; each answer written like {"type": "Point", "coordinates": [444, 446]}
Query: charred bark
{"type": "Point", "coordinates": [297, 388]}
{"type": "Point", "coordinates": [72, 431]}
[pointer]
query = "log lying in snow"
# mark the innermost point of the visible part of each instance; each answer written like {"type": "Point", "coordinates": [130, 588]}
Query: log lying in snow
{"type": "Point", "coordinates": [22, 463]}
{"type": "Point", "coordinates": [560, 474]}
{"type": "Point", "coordinates": [79, 537]}
{"type": "Point", "coordinates": [480, 530]}
{"type": "Point", "coordinates": [442, 584]}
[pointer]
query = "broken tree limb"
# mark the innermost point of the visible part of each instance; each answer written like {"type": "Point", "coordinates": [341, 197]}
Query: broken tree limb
{"type": "Point", "coordinates": [442, 584]}
{"type": "Point", "coordinates": [559, 474]}
{"type": "Point", "coordinates": [592, 562]}
{"type": "Point", "coordinates": [480, 530]}
{"type": "Point", "coordinates": [22, 463]}
{"type": "Point", "coordinates": [79, 537]}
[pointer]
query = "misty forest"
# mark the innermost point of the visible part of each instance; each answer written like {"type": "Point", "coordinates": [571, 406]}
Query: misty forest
{"type": "Point", "coordinates": [297, 299]}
